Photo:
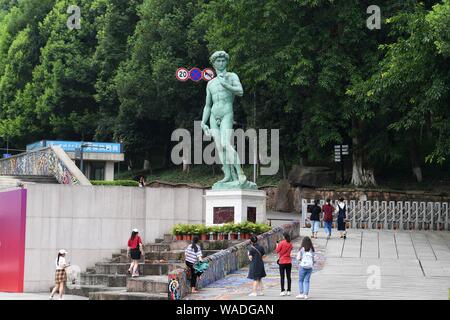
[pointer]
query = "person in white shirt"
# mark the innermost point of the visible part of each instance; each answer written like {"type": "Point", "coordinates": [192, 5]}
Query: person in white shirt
{"type": "Point", "coordinates": [192, 255]}
{"type": "Point", "coordinates": [61, 275]}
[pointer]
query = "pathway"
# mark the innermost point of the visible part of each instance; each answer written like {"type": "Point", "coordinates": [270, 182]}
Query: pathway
{"type": "Point", "coordinates": [410, 265]}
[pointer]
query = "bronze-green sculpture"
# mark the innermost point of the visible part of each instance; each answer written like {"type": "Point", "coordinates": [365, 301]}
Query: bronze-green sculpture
{"type": "Point", "coordinates": [220, 93]}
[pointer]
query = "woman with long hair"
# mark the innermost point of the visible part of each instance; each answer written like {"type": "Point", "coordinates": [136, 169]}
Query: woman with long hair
{"type": "Point", "coordinates": [328, 210]}
{"type": "Point", "coordinates": [61, 275]}
{"type": "Point", "coordinates": [305, 257]}
{"type": "Point", "coordinates": [341, 211]}
{"type": "Point", "coordinates": [284, 249]}
{"type": "Point", "coordinates": [256, 271]}
{"type": "Point", "coordinates": [134, 251]}
{"type": "Point", "coordinates": [192, 255]}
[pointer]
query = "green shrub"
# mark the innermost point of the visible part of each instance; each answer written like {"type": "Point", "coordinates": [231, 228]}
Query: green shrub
{"type": "Point", "coordinates": [228, 227]}
{"type": "Point", "coordinates": [177, 229]}
{"type": "Point", "coordinates": [263, 228]}
{"type": "Point", "coordinates": [123, 183]}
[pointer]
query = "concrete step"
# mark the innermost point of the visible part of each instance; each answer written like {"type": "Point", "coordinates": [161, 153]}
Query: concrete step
{"type": "Point", "coordinates": [148, 284]}
{"type": "Point", "coordinates": [145, 269]}
{"type": "Point", "coordinates": [124, 295]}
{"type": "Point", "coordinates": [107, 280]}
{"type": "Point", "coordinates": [156, 247]}
{"type": "Point", "coordinates": [84, 290]}
{"type": "Point", "coordinates": [159, 241]}
{"type": "Point", "coordinates": [174, 255]}
{"type": "Point", "coordinates": [206, 245]}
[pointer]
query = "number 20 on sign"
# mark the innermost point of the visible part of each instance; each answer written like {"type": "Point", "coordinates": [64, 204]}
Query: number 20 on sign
{"type": "Point", "coordinates": [182, 74]}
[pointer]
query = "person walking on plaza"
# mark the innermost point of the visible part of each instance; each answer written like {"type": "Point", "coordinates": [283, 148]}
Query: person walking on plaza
{"type": "Point", "coordinates": [305, 257]}
{"type": "Point", "coordinates": [341, 216]}
{"type": "Point", "coordinates": [284, 249]}
{"type": "Point", "coordinates": [328, 210]}
{"type": "Point", "coordinates": [315, 219]}
{"type": "Point", "coordinates": [193, 254]}
{"type": "Point", "coordinates": [256, 271]}
{"type": "Point", "coordinates": [134, 251]}
{"type": "Point", "coordinates": [61, 274]}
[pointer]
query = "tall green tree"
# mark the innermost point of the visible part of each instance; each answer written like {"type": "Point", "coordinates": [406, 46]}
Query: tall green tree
{"type": "Point", "coordinates": [152, 102]}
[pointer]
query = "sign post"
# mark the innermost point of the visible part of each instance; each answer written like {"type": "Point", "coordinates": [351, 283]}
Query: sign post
{"type": "Point", "coordinates": [339, 151]}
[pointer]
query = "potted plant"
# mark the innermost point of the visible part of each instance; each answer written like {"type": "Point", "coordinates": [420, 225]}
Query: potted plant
{"type": "Point", "coordinates": [210, 231]}
{"type": "Point", "coordinates": [188, 232]}
{"type": "Point", "coordinates": [246, 229]}
{"type": "Point", "coordinates": [203, 230]}
{"type": "Point", "coordinates": [215, 231]}
{"type": "Point", "coordinates": [177, 230]}
{"type": "Point", "coordinates": [226, 230]}
{"type": "Point", "coordinates": [229, 229]}
{"type": "Point", "coordinates": [241, 229]}
{"type": "Point", "coordinates": [220, 232]}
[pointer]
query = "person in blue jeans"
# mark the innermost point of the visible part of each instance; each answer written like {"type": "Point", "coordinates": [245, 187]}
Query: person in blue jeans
{"type": "Point", "coordinates": [315, 219]}
{"type": "Point", "coordinates": [305, 257]}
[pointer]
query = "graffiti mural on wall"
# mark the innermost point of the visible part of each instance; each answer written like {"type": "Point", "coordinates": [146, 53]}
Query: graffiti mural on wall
{"type": "Point", "coordinates": [44, 162]}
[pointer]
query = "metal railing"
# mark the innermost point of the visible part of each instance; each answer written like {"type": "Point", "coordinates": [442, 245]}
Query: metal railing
{"type": "Point", "coordinates": [402, 215]}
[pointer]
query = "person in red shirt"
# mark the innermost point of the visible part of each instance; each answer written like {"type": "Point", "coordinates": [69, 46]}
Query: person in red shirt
{"type": "Point", "coordinates": [328, 210]}
{"type": "Point", "coordinates": [284, 249]}
{"type": "Point", "coordinates": [134, 251]}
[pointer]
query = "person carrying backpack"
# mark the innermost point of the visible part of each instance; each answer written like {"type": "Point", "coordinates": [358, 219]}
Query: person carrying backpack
{"type": "Point", "coordinates": [305, 257]}
{"type": "Point", "coordinates": [328, 210]}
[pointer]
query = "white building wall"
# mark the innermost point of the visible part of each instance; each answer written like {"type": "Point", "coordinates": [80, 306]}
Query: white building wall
{"type": "Point", "coordinates": [93, 222]}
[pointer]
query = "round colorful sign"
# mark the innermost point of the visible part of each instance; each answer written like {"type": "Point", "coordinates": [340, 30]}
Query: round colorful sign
{"type": "Point", "coordinates": [195, 74]}
{"type": "Point", "coordinates": [208, 74]}
{"type": "Point", "coordinates": [182, 74]}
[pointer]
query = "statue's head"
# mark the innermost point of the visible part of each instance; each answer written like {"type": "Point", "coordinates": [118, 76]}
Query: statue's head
{"type": "Point", "coordinates": [219, 60]}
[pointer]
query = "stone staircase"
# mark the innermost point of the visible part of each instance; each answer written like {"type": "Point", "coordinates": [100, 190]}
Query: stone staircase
{"type": "Point", "coordinates": [110, 281]}
{"type": "Point", "coordinates": [15, 181]}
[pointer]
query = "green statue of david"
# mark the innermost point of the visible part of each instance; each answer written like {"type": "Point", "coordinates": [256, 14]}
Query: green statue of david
{"type": "Point", "coordinates": [220, 93]}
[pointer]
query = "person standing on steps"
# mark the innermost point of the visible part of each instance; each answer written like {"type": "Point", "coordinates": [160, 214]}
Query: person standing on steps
{"type": "Point", "coordinates": [328, 210]}
{"type": "Point", "coordinates": [341, 211]}
{"type": "Point", "coordinates": [61, 274]}
{"type": "Point", "coordinates": [134, 251]}
{"type": "Point", "coordinates": [284, 249]}
{"type": "Point", "coordinates": [192, 255]}
{"type": "Point", "coordinates": [315, 219]}
{"type": "Point", "coordinates": [256, 271]}
{"type": "Point", "coordinates": [305, 257]}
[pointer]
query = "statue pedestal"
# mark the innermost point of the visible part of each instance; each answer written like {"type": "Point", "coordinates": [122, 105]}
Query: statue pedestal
{"type": "Point", "coordinates": [235, 206]}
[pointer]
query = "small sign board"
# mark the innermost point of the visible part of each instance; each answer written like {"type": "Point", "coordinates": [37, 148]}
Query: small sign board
{"type": "Point", "coordinates": [195, 74]}
{"type": "Point", "coordinates": [208, 74]}
{"type": "Point", "coordinates": [7, 155]}
{"type": "Point", "coordinates": [345, 149]}
{"type": "Point", "coordinates": [182, 74]}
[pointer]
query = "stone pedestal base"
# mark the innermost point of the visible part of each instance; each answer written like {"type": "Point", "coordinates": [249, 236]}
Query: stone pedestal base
{"type": "Point", "coordinates": [235, 206]}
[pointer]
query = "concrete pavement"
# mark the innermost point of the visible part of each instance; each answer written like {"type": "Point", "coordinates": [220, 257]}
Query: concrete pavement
{"type": "Point", "coordinates": [369, 264]}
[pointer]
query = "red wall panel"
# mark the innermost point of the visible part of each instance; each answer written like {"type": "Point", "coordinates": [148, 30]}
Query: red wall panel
{"type": "Point", "coordinates": [12, 239]}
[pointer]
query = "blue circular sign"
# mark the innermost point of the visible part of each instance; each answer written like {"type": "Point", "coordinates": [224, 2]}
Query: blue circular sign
{"type": "Point", "coordinates": [195, 74]}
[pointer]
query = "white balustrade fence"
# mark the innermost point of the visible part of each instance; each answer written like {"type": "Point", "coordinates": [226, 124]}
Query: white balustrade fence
{"type": "Point", "coordinates": [403, 215]}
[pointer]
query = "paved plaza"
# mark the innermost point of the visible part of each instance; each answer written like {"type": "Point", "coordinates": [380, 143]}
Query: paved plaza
{"type": "Point", "coordinates": [410, 265]}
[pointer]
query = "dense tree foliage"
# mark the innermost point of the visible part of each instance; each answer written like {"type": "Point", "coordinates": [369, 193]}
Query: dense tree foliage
{"type": "Point", "coordinates": [311, 68]}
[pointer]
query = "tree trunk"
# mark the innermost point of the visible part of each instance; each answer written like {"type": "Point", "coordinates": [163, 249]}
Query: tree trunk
{"type": "Point", "coordinates": [415, 162]}
{"type": "Point", "coordinates": [360, 176]}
